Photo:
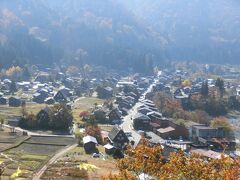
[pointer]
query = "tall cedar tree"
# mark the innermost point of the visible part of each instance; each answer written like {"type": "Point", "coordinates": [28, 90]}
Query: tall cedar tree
{"type": "Point", "coordinates": [220, 84]}
{"type": "Point", "coordinates": [204, 89]}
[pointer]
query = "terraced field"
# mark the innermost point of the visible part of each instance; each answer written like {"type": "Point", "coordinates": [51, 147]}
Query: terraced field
{"type": "Point", "coordinates": [31, 155]}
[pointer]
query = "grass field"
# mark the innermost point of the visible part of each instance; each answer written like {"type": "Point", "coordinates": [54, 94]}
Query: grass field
{"type": "Point", "coordinates": [81, 104]}
{"type": "Point", "coordinates": [7, 112]}
{"type": "Point", "coordinates": [84, 104]}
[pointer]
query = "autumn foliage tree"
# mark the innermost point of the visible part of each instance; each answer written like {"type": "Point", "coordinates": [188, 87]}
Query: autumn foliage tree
{"type": "Point", "coordinates": [14, 72]}
{"type": "Point", "coordinates": [95, 131]}
{"type": "Point", "coordinates": [166, 104]}
{"type": "Point", "coordinates": [222, 122]}
{"type": "Point", "coordinates": [186, 83]}
{"type": "Point", "coordinates": [150, 160]}
{"type": "Point", "coordinates": [73, 70]}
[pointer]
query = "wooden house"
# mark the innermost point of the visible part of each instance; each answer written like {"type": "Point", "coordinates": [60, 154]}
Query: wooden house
{"type": "Point", "coordinates": [3, 101]}
{"type": "Point", "coordinates": [117, 137]}
{"type": "Point", "coordinates": [109, 149]}
{"type": "Point", "coordinates": [114, 115]}
{"type": "Point", "coordinates": [38, 98]}
{"type": "Point", "coordinates": [14, 101]}
{"type": "Point", "coordinates": [141, 122]}
{"type": "Point", "coordinates": [61, 97]}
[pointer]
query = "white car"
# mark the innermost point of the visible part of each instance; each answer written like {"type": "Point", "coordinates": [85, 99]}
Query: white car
{"type": "Point", "coordinates": [96, 155]}
{"type": "Point", "coordinates": [128, 134]}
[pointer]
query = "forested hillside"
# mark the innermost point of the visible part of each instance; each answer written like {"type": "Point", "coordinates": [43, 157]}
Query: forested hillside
{"type": "Point", "coordinates": [99, 32]}
{"type": "Point", "coordinates": [196, 30]}
{"type": "Point", "coordinates": [119, 34]}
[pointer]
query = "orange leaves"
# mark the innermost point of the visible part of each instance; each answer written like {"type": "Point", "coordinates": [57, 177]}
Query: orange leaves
{"type": "Point", "coordinates": [13, 70]}
{"type": "Point", "coordinates": [149, 160]}
{"type": "Point", "coordinates": [95, 131]}
{"type": "Point", "coordinates": [142, 159]}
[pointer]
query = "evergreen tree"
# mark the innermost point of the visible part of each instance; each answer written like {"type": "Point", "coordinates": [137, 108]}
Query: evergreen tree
{"type": "Point", "coordinates": [61, 118]}
{"type": "Point", "coordinates": [13, 87]}
{"type": "Point", "coordinates": [220, 84]}
{"type": "Point", "coordinates": [26, 73]}
{"type": "Point", "coordinates": [204, 89]}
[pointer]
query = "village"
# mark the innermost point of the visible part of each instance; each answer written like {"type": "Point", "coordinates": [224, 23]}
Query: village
{"type": "Point", "coordinates": [91, 117]}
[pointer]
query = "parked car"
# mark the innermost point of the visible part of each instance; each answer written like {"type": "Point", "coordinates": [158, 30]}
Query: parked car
{"type": "Point", "coordinates": [96, 155]}
{"type": "Point", "coordinates": [128, 134]}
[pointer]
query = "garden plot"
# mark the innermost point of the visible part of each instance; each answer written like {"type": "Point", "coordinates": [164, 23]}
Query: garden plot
{"type": "Point", "coordinates": [76, 164]}
{"type": "Point", "coordinates": [32, 155]}
{"type": "Point", "coordinates": [8, 139]}
{"type": "Point", "coordinates": [51, 140]}
{"type": "Point", "coordinates": [36, 149]}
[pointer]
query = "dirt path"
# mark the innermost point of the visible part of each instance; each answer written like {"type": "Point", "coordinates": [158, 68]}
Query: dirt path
{"type": "Point", "coordinates": [38, 174]}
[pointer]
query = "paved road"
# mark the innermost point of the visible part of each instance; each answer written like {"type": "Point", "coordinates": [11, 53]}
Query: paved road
{"type": "Point", "coordinates": [127, 120]}
{"type": "Point", "coordinates": [127, 123]}
{"type": "Point", "coordinates": [30, 133]}
{"type": "Point", "coordinates": [38, 174]}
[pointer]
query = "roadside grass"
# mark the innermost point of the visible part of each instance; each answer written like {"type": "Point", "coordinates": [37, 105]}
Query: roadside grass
{"type": "Point", "coordinates": [33, 157]}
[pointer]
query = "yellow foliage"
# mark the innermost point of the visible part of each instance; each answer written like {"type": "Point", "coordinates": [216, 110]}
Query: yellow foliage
{"type": "Point", "coordinates": [13, 70]}
{"type": "Point", "coordinates": [186, 83]}
{"type": "Point", "coordinates": [87, 167]}
{"type": "Point", "coordinates": [17, 173]}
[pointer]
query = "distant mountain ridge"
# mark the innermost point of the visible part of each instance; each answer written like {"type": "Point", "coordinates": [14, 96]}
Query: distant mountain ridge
{"type": "Point", "coordinates": [48, 31]}
{"type": "Point", "coordinates": [197, 30]}
{"type": "Point", "coordinates": [118, 33]}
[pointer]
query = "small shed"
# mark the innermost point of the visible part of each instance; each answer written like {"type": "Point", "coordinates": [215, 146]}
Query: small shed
{"type": "Point", "coordinates": [89, 144]}
{"type": "Point", "coordinates": [109, 149]}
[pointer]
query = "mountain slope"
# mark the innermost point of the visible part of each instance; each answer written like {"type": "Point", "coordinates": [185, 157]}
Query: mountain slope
{"type": "Point", "coordinates": [118, 33]}
{"type": "Point", "coordinates": [106, 32]}
{"type": "Point", "coordinates": [200, 30]}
